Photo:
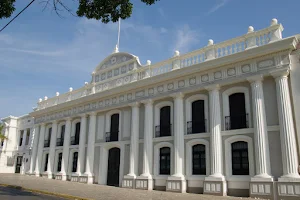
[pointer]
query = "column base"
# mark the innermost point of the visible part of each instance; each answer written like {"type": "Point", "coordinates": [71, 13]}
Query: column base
{"type": "Point", "coordinates": [144, 182]}
{"type": "Point", "coordinates": [289, 188]}
{"type": "Point", "coordinates": [129, 181]}
{"type": "Point", "coordinates": [60, 176]}
{"type": "Point", "coordinates": [215, 186]}
{"type": "Point", "coordinates": [75, 177]}
{"type": "Point", "coordinates": [262, 188]}
{"type": "Point", "coordinates": [37, 174]}
{"type": "Point", "coordinates": [176, 184]}
{"type": "Point", "coordinates": [86, 178]}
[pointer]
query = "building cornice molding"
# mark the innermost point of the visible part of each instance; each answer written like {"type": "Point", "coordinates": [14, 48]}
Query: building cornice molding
{"type": "Point", "coordinates": [184, 80]}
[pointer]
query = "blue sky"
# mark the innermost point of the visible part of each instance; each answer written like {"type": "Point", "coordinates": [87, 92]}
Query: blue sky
{"type": "Point", "coordinates": [41, 53]}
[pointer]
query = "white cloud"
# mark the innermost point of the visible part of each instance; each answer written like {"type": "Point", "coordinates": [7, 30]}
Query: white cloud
{"type": "Point", "coordinates": [217, 6]}
{"type": "Point", "coordinates": [186, 38]}
{"type": "Point", "coordinates": [34, 52]}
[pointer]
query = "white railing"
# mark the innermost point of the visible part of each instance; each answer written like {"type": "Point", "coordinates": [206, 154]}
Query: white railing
{"type": "Point", "coordinates": [212, 51]}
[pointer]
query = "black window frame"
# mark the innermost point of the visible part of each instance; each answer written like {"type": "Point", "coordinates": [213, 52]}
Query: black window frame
{"type": "Point", "coordinates": [198, 159]}
{"type": "Point", "coordinates": [59, 161]}
{"type": "Point", "coordinates": [240, 158]}
{"type": "Point", "coordinates": [74, 162]}
{"type": "Point", "coordinates": [46, 162]}
{"type": "Point", "coordinates": [165, 161]}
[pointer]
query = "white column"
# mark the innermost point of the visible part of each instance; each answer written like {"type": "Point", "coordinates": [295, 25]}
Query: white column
{"type": "Point", "coordinates": [260, 129]}
{"type": "Point", "coordinates": [215, 130]}
{"type": "Point", "coordinates": [35, 136]}
{"type": "Point", "coordinates": [65, 157]}
{"type": "Point", "coordinates": [50, 166]}
{"type": "Point", "coordinates": [91, 148]}
{"type": "Point", "coordinates": [178, 135]}
{"type": "Point", "coordinates": [40, 150]}
{"type": "Point", "coordinates": [287, 132]}
{"type": "Point", "coordinates": [82, 139]}
{"type": "Point", "coordinates": [148, 137]}
{"type": "Point", "coordinates": [134, 145]}
{"type": "Point", "coordinates": [102, 179]}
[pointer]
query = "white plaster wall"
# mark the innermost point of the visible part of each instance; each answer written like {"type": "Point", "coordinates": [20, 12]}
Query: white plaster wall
{"type": "Point", "coordinates": [126, 124]}
{"type": "Point", "coordinates": [269, 88]}
{"type": "Point", "coordinates": [100, 134]}
{"type": "Point", "coordinates": [96, 163]}
{"type": "Point", "coordinates": [275, 154]}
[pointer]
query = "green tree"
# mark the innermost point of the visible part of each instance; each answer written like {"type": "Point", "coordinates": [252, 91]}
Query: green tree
{"type": "Point", "coordinates": [2, 137]}
{"type": "Point", "coordinates": [104, 10]}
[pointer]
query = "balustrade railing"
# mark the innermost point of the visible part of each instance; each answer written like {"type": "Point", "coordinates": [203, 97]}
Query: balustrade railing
{"type": "Point", "coordinates": [59, 142]}
{"type": "Point", "coordinates": [236, 122]}
{"type": "Point", "coordinates": [163, 130]}
{"type": "Point", "coordinates": [211, 51]}
{"type": "Point", "coordinates": [74, 140]}
{"type": "Point", "coordinates": [46, 143]}
{"type": "Point", "coordinates": [112, 136]}
{"type": "Point", "coordinates": [196, 126]}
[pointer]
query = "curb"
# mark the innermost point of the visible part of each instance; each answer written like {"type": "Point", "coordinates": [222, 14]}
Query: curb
{"type": "Point", "coordinates": [66, 196]}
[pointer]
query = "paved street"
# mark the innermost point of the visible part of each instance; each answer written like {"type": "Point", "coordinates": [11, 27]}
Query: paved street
{"type": "Point", "coordinates": [98, 192]}
{"type": "Point", "coordinates": [7, 193]}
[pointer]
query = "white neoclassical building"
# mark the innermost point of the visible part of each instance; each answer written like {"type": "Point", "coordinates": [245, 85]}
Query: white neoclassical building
{"type": "Point", "coordinates": [221, 120]}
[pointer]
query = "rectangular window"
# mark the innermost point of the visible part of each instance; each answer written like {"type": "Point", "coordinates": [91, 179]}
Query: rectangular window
{"type": "Point", "coordinates": [21, 138]}
{"type": "Point", "coordinates": [27, 136]}
{"type": "Point", "coordinates": [46, 162]}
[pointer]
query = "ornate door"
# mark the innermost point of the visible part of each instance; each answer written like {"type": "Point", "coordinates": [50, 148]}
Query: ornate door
{"type": "Point", "coordinates": [113, 168]}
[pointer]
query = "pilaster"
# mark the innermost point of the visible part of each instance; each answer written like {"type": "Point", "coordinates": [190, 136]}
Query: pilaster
{"type": "Point", "coordinates": [262, 157]}
{"type": "Point", "coordinates": [88, 176]}
{"type": "Point", "coordinates": [50, 166]}
{"type": "Point", "coordinates": [62, 175]}
{"type": "Point", "coordinates": [129, 179]}
{"type": "Point", "coordinates": [177, 182]}
{"type": "Point", "coordinates": [40, 150]}
{"type": "Point", "coordinates": [215, 183]}
{"type": "Point", "coordinates": [35, 136]}
{"type": "Point", "coordinates": [145, 181]}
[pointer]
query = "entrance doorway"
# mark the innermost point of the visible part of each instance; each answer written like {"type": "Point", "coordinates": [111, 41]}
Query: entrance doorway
{"type": "Point", "coordinates": [19, 164]}
{"type": "Point", "coordinates": [113, 167]}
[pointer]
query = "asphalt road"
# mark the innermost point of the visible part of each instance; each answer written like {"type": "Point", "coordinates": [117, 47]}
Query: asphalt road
{"type": "Point", "coordinates": [7, 193]}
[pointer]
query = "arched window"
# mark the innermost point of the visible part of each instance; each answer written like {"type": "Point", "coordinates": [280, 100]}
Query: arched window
{"type": "Point", "coordinates": [164, 161]}
{"type": "Point", "coordinates": [74, 163]}
{"type": "Point", "coordinates": [46, 162]}
{"type": "Point", "coordinates": [75, 139]}
{"type": "Point", "coordinates": [197, 125]}
{"type": "Point", "coordinates": [114, 128]}
{"type": "Point", "coordinates": [164, 129]}
{"type": "Point", "coordinates": [240, 160]}
{"type": "Point", "coordinates": [59, 162]}
{"type": "Point", "coordinates": [238, 117]}
{"type": "Point", "coordinates": [199, 160]}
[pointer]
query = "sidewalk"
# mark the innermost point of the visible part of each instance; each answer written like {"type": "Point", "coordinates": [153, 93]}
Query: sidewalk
{"type": "Point", "coordinates": [97, 191]}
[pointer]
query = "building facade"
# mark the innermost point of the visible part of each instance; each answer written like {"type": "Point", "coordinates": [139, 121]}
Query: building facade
{"type": "Point", "coordinates": [220, 120]}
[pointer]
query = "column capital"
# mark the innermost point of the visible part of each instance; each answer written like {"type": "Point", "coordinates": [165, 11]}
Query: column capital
{"type": "Point", "coordinates": [147, 101]}
{"type": "Point", "coordinates": [280, 73]}
{"type": "Point", "coordinates": [255, 78]}
{"type": "Point", "coordinates": [83, 115]}
{"type": "Point", "coordinates": [135, 104]}
{"type": "Point", "coordinates": [43, 124]}
{"type": "Point", "coordinates": [54, 122]}
{"type": "Point", "coordinates": [177, 95]}
{"type": "Point", "coordinates": [213, 87]}
{"type": "Point", "coordinates": [92, 113]}
{"type": "Point", "coordinates": [68, 118]}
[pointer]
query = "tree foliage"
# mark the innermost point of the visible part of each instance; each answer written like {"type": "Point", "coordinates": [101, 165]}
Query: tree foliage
{"type": "Point", "coordinates": [6, 8]}
{"type": "Point", "coordinates": [2, 136]}
{"type": "Point", "coordinates": [104, 10]}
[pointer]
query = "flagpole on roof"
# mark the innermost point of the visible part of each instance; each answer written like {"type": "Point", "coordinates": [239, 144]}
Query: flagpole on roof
{"type": "Point", "coordinates": [118, 42]}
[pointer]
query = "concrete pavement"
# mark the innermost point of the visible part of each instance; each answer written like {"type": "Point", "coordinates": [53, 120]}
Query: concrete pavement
{"type": "Point", "coordinates": [98, 192]}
